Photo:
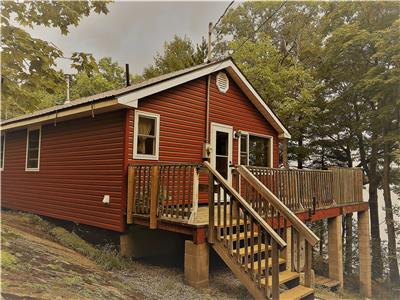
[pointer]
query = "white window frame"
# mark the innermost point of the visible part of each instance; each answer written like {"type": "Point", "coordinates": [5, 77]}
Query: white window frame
{"type": "Point", "coordinates": [4, 151]}
{"type": "Point", "coordinates": [136, 155]}
{"type": "Point", "coordinates": [248, 134]}
{"type": "Point", "coordinates": [32, 128]}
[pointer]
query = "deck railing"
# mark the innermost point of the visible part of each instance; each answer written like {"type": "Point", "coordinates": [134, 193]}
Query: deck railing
{"type": "Point", "coordinates": [280, 217]}
{"type": "Point", "coordinates": [162, 191]}
{"type": "Point", "coordinates": [227, 212]}
{"type": "Point", "coordinates": [306, 189]}
{"type": "Point", "coordinates": [170, 191]}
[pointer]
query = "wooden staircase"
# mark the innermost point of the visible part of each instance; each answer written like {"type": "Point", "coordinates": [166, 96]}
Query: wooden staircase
{"type": "Point", "coordinates": [251, 237]}
{"type": "Point", "coordinates": [260, 259]}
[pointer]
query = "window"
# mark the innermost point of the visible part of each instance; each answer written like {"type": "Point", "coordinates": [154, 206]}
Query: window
{"type": "Point", "coordinates": [146, 135]}
{"type": "Point", "coordinates": [255, 150]}
{"type": "Point", "coordinates": [3, 147]}
{"type": "Point", "coordinates": [33, 149]}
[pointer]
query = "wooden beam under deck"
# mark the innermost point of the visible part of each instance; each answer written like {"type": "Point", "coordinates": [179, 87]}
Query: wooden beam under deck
{"type": "Point", "coordinates": [198, 230]}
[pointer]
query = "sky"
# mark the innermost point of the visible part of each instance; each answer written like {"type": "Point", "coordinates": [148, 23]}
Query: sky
{"type": "Point", "coordinates": [133, 32]}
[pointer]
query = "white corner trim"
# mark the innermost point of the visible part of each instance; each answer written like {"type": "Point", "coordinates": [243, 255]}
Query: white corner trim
{"type": "Point", "coordinates": [31, 128]}
{"type": "Point", "coordinates": [135, 135]}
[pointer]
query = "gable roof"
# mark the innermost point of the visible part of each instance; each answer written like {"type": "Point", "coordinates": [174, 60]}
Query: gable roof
{"type": "Point", "coordinates": [130, 95]}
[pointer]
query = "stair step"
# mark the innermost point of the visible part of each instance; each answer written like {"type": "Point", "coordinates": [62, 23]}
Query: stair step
{"type": "Point", "coordinates": [284, 277]}
{"type": "Point", "coordinates": [296, 293]}
{"type": "Point", "coordinates": [242, 251]}
{"type": "Point", "coordinates": [281, 261]}
{"type": "Point", "coordinates": [241, 236]}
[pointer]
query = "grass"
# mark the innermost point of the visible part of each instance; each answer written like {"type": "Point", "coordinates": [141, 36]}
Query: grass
{"type": "Point", "coordinates": [8, 261]}
{"type": "Point", "coordinates": [107, 256]}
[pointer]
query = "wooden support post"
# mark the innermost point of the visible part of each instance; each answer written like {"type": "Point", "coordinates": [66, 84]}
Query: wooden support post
{"type": "Point", "coordinates": [365, 254]}
{"type": "Point", "coordinates": [335, 254]}
{"type": "Point", "coordinates": [211, 229]}
{"type": "Point", "coordinates": [154, 196]}
{"type": "Point", "coordinates": [130, 199]}
{"type": "Point", "coordinates": [196, 267]}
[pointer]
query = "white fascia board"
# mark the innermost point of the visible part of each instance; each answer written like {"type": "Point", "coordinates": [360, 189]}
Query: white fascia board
{"type": "Point", "coordinates": [170, 83]}
{"type": "Point", "coordinates": [128, 100]}
{"type": "Point", "coordinates": [61, 114]}
{"type": "Point", "coordinates": [258, 101]}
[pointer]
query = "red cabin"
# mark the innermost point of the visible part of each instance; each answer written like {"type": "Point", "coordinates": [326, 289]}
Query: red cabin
{"type": "Point", "coordinates": [194, 152]}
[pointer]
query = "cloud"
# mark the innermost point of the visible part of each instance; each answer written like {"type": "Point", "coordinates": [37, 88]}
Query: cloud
{"type": "Point", "coordinates": [132, 32]}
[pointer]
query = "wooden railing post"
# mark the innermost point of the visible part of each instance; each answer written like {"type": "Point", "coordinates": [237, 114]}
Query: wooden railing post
{"type": "Point", "coordinates": [130, 196]}
{"type": "Point", "coordinates": [195, 196]}
{"type": "Point", "coordinates": [155, 171]}
{"type": "Point", "coordinates": [275, 270]}
{"type": "Point", "coordinates": [307, 264]}
{"type": "Point", "coordinates": [211, 229]}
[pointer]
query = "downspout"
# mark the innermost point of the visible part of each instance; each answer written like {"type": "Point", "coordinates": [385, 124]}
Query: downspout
{"type": "Point", "coordinates": [208, 110]}
{"type": "Point", "coordinates": [206, 145]}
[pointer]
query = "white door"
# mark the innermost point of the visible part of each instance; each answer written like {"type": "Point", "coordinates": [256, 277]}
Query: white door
{"type": "Point", "coordinates": [221, 149]}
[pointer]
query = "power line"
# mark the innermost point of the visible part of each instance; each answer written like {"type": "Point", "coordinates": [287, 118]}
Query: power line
{"type": "Point", "coordinates": [259, 27]}
{"type": "Point", "coordinates": [220, 18]}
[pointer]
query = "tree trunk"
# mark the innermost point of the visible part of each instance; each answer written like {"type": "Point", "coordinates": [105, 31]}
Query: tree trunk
{"type": "Point", "coordinates": [377, 263]}
{"type": "Point", "coordinates": [321, 237]}
{"type": "Point", "coordinates": [348, 258]}
{"type": "Point", "coordinates": [393, 265]}
{"type": "Point", "coordinates": [300, 155]}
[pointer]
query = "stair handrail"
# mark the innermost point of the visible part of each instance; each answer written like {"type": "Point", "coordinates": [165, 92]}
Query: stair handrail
{"type": "Point", "coordinates": [283, 209]}
{"type": "Point", "coordinates": [245, 205]}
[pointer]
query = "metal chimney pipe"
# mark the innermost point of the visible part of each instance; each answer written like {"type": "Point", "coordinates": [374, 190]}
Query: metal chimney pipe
{"type": "Point", "coordinates": [128, 80]}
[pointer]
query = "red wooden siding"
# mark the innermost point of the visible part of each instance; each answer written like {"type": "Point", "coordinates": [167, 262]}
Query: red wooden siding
{"type": "Point", "coordinates": [234, 109]}
{"type": "Point", "coordinates": [182, 117]}
{"type": "Point", "coordinates": [81, 161]}
{"type": "Point", "coordinates": [182, 113]}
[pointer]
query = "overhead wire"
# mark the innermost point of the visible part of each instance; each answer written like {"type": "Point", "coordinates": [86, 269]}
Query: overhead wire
{"type": "Point", "coordinates": [258, 28]}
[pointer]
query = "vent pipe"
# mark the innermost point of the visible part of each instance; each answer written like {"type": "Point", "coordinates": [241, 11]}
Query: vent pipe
{"type": "Point", "coordinates": [128, 80]}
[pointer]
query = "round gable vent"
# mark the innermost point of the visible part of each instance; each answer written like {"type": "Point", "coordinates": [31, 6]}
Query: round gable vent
{"type": "Point", "coordinates": [222, 82]}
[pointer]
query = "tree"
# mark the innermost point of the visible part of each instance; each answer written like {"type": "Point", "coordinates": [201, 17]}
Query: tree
{"type": "Point", "coordinates": [178, 54]}
{"type": "Point", "coordinates": [286, 86]}
{"type": "Point", "coordinates": [29, 64]}
{"type": "Point", "coordinates": [336, 44]}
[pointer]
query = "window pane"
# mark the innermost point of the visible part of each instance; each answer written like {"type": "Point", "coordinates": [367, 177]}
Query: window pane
{"type": "Point", "coordinates": [259, 149]}
{"type": "Point", "coordinates": [222, 143]}
{"type": "Point", "coordinates": [34, 138]}
{"type": "Point", "coordinates": [33, 149]}
{"type": "Point", "coordinates": [33, 163]}
{"type": "Point", "coordinates": [147, 126]}
{"type": "Point", "coordinates": [146, 145]}
{"type": "Point", "coordinates": [243, 143]}
{"type": "Point", "coordinates": [243, 159]}
{"type": "Point", "coordinates": [222, 166]}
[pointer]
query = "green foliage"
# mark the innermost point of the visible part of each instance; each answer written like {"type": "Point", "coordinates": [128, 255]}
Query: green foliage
{"type": "Point", "coordinates": [29, 64]}
{"type": "Point", "coordinates": [178, 54]}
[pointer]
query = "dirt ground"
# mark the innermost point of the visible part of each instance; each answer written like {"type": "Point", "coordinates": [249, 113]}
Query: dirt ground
{"type": "Point", "coordinates": [34, 266]}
